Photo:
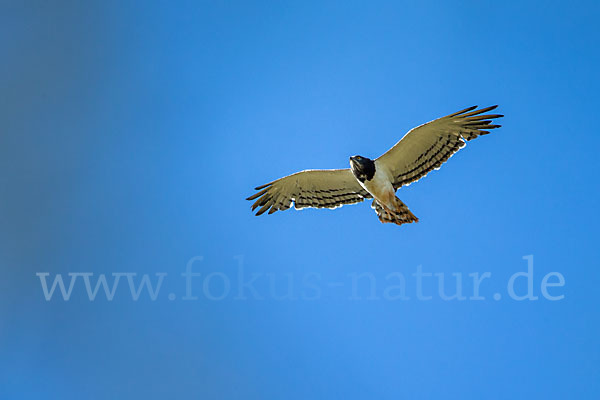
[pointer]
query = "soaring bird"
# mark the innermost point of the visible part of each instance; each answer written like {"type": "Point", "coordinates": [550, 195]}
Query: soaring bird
{"type": "Point", "coordinates": [420, 151]}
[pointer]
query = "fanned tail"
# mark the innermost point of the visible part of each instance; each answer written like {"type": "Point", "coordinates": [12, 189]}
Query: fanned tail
{"type": "Point", "coordinates": [401, 215]}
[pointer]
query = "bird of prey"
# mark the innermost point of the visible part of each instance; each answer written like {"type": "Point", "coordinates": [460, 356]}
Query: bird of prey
{"type": "Point", "coordinates": [420, 151]}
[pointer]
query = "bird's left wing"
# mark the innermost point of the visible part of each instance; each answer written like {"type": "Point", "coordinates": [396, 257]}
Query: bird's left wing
{"type": "Point", "coordinates": [428, 146]}
{"type": "Point", "coordinates": [329, 188]}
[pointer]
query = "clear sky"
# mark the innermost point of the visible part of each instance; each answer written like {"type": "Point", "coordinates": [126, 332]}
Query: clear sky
{"type": "Point", "coordinates": [132, 133]}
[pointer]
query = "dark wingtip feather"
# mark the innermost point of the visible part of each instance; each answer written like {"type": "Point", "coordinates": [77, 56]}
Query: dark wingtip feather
{"type": "Point", "coordinates": [462, 111]}
{"type": "Point", "coordinates": [494, 115]}
{"type": "Point", "coordinates": [255, 205]}
{"type": "Point", "coordinates": [489, 108]}
{"type": "Point", "coordinates": [263, 209]}
{"type": "Point", "coordinates": [255, 195]}
{"type": "Point", "coordinates": [478, 112]}
{"type": "Point", "coordinates": [471, 111]}
{"type": "Point", "coordinates": [263, 186]}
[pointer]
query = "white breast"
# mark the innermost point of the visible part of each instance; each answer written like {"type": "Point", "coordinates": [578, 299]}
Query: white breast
{"type": "Point", "coordinates": [381, 187]}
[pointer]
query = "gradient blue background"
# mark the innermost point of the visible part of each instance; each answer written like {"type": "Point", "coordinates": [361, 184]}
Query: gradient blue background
{"type": "Point", "coordinates": [130, 134]}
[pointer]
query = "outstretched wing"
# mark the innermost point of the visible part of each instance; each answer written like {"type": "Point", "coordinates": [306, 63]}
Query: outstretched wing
{"type": "Point", "coordinates": [428, 146]}
{"type": "Point", "coordinates": [329, 188]}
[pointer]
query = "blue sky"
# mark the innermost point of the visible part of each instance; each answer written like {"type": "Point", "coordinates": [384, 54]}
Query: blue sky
{"type": "Point", "coordinates": [131, 134]}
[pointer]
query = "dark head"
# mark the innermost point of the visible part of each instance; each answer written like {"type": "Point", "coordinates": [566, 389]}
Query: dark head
{"type": "Point", "coordinates": [362, 168]}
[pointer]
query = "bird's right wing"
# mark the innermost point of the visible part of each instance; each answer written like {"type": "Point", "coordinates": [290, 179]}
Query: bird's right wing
{"type": "Point", "coordinates": [329, 188]}
{"type": "Point", "coordinates": [428, 146]}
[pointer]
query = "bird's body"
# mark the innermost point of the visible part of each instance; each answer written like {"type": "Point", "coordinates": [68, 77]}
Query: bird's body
{"type": "Point", "coordinates": [379, 185]}
{"type": "Point", "coordinates": [420, 151]}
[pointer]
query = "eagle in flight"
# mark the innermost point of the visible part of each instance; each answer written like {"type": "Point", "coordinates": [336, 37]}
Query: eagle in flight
{"type": "Point", "coordinates": [420, 151]}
